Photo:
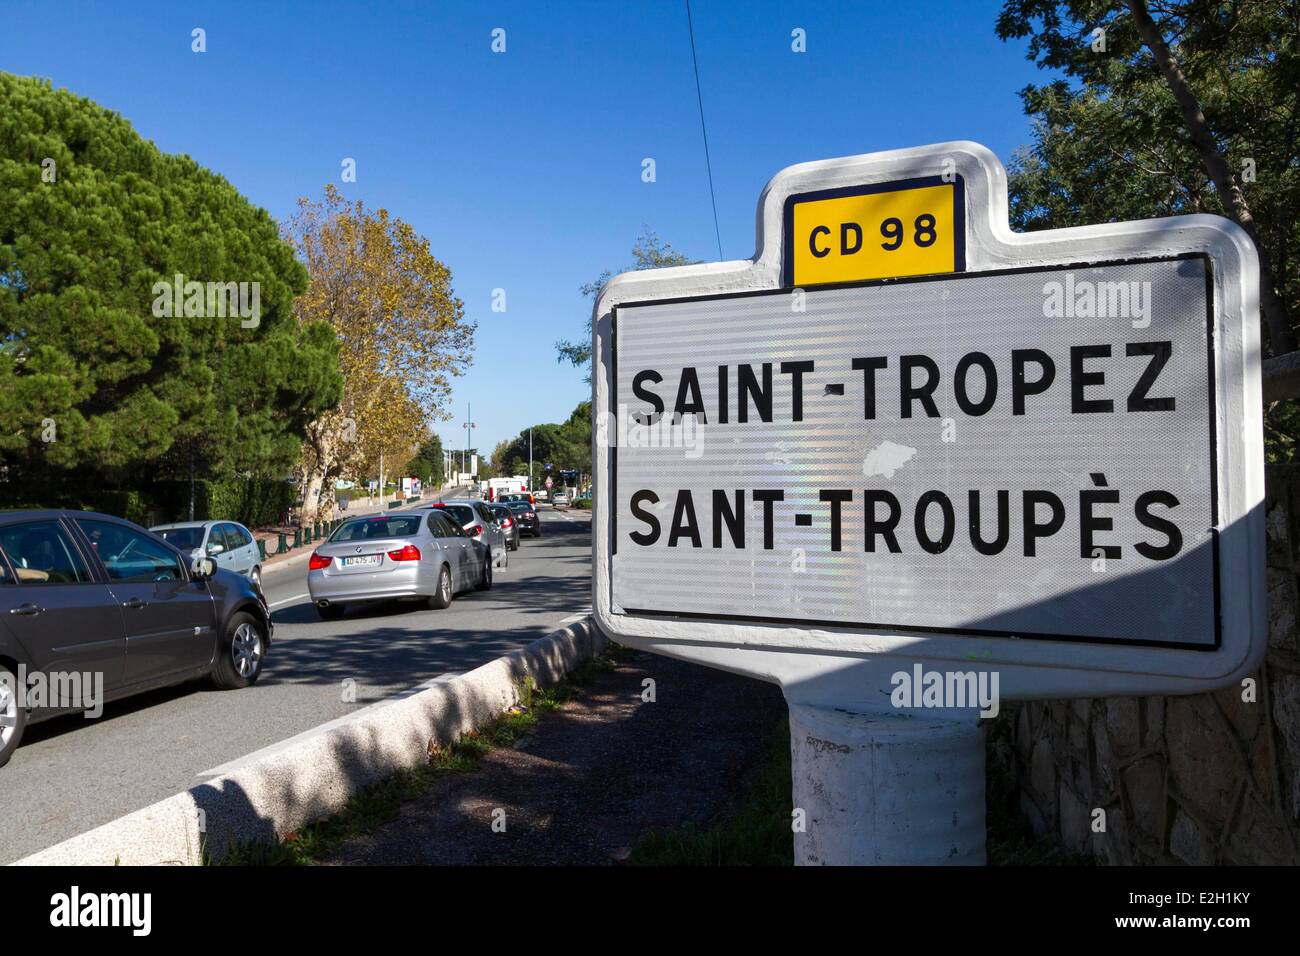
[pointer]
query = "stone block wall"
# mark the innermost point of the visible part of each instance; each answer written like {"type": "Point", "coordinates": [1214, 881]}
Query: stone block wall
{"type": "Point", "coordinates": [1206, 779]}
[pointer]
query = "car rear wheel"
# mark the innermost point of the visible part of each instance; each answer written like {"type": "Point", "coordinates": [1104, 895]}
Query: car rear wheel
{"type": "Point", "coordinates": [330, 612]}
{"type": "Point", "coordinates": [13, 717]}
{"type": "Point", "coordinates": [442, 597]}
{"type": "Point", "coordinates": [240, 655]}
{"type": "Point", "coordinates": [485, 582]}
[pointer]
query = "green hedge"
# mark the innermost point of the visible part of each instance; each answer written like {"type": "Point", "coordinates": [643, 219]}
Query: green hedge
{"type": "Point", "coordinates": [250, 501]}
{"type": "Point", "coordinates": [130, 505]}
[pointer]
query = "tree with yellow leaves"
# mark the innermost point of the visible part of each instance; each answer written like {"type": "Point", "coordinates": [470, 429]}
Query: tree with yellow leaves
{"type": "Point", "coordinates": [402, 337]}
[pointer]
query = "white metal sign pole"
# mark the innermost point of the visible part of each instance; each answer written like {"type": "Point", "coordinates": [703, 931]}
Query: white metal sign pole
{"type": "Point", "coordinates": [909, 464]}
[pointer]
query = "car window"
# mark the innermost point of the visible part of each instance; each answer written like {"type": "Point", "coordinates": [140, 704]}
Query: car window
{"type": "Point", "coordinates": [233, 539]}
{"type": "Point", "coordinates": [241, 537]}
{"type": "Point", "coordinates": [438, 525]}
{"type": "Point", "coordinates": [461, 514]}
{"type": "Point", "coordinates": [131, 556]}
{"type": "Point", "coordinates": [519, 506]}
{"type": "Point", "coordinates": [42, 553]}
{"type": "Point", "coordinates": [187, 539]}
{"type": "Point", "coordinates": [483, 513]}
{"type": "Point", "coordinates": [363, 529]}
{"type": "Point", "coordinates": [217, 536]}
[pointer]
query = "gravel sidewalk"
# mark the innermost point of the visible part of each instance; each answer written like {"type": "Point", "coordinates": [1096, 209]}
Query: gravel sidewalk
{"type": "Point", "coordinates": [596, 776]}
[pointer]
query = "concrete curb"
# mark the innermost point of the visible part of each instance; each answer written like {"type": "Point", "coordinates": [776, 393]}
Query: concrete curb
{"type": "Point", "coordinates": [263, 800]}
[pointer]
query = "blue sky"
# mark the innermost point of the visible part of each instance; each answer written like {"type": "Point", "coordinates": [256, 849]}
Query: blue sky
{"type": "Point", "coordinates": [524, 168]}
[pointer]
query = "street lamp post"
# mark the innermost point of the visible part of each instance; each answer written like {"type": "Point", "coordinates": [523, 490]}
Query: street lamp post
{"type": "Point", "coordinates": [468, 425]}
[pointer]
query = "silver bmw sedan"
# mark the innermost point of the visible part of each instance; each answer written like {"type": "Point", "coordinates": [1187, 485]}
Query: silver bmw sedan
{"type": "Point", "coordinates": [419, 555]}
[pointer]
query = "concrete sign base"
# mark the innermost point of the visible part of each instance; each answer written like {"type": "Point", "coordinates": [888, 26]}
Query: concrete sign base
{"type": "Point", "coordinates": [886, 788]}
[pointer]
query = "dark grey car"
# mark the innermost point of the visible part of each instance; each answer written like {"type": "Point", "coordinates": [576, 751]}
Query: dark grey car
{"type": "Point", "coordinates": [87, 598]}
{"type": "Point", "coordinates": [509, 526]}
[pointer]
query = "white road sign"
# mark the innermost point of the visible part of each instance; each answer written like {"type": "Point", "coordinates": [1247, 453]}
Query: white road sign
{"type": "Point", "coordinates": [902, 431]}
{"type": "Point", "coordinates": [909, 465]}
{"type": "Point", "coordinates": [1024, 453]}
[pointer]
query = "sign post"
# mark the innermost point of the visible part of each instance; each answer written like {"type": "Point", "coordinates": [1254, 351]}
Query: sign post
{"type": "Point", "coordinates": [909, 465]}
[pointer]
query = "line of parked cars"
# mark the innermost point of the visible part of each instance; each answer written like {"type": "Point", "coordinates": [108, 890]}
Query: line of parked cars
{"type": "Point", "coordinates": [90, 594]}
{"type": "Point", "coordinates": [428, 553]}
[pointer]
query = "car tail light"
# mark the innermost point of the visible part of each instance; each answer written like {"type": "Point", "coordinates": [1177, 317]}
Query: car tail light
{"type": "Point", "coordinates": [506, 522]}
{"type": "Point", "coordinates": [475, 531]}
{"type": "Point", "coordinates": [319, 561]}
{"type": "Point", "coordinates": [531, 514]}
{"type": "Point", "coordinates": [406, 553]}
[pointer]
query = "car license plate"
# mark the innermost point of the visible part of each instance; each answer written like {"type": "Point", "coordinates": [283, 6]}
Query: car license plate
{"type": "Point", "coordinates": [365, 560]}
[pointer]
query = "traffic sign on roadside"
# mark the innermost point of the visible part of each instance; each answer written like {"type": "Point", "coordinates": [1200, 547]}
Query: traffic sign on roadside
{"type": "Point", "coordinates": [942, 455]}
{"type": "Point", "coordinates": [904, 436]}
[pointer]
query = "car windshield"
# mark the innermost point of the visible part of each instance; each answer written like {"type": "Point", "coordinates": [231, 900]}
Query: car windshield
{"type": "Point", "coordinates": [363, 529]}
{"type": "Point", "coordinates": [187, 539]}
{"type": "Point", "coordinates": [460, 513]}
{"type": "Point", "coordinates": [518, 506]}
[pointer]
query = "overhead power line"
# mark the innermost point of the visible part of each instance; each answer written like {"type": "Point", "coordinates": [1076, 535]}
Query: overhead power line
{"type": "Point", "coordinates": [704, 130]}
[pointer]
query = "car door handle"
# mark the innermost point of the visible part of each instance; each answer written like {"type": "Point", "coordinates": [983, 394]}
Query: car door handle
{"type": "Point", "coordinates": [26, 610]}
{"type": "Point", "coordinates": [135, 604]}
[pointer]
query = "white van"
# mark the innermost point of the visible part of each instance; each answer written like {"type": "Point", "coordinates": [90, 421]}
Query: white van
{"type": "Point", "coordinates": [504, 486]}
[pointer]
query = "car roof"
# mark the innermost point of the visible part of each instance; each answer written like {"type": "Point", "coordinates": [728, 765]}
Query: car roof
{"type": "Point", "coordinates": [177, 525]}
{"type": "Point", "coordinates": [32, 514]}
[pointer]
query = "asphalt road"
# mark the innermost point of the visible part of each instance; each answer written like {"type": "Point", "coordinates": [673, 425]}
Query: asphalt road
{"type": "Point", "coordinates": [73, 774]}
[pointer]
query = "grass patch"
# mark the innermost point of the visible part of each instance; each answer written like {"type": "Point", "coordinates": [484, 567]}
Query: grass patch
{"type": "Point", "coordinates": [379, 803]}
{"type": "Point", "coordinates": [756, 833]}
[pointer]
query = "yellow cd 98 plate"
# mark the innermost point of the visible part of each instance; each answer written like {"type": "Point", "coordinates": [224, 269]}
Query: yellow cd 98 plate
{"type": "Point", "coordinates": [875, 232]}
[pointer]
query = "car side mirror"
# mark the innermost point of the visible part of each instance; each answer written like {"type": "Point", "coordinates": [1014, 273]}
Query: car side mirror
{"type": "Point", "coordinates": [216, 548]}
{"type": "Point", "coordinates": [203, 568]}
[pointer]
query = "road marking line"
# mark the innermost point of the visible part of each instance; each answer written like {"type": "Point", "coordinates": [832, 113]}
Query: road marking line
{"type": "Point", "coordinates": [288, 599]}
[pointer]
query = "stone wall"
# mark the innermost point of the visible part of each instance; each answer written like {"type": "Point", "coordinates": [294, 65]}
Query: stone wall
{"type": "Point", "coordinates": [1206, 779]}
